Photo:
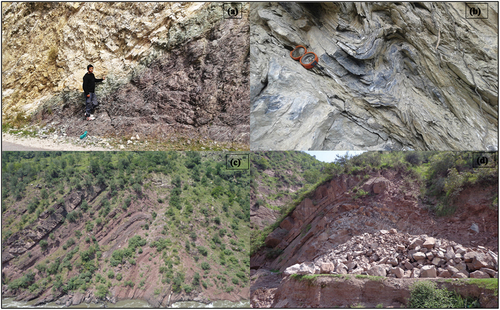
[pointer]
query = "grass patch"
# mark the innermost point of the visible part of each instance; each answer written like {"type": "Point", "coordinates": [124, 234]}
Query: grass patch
{"type": "Point", "coordinates": [489, 284]}
{"type": "Point", "coordinates": [373, 278]}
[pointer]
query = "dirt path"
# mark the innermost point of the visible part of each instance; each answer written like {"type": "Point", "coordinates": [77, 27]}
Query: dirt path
{"type": "Point", "coordinates": [49, 144]}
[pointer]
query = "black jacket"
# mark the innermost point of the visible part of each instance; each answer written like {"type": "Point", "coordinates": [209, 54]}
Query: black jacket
{"type": "Point", "coordinates": [89, 81]}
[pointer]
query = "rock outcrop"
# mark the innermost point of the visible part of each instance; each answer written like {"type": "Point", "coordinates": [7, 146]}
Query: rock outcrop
{"type": "Point", "coordinates": [339, 210]}
{"type": "Point", "coordinates": [172, 70]}
{"type": "Point", "coordinates": [397, 76]}
{"type": "Point", "coordinates": [350, 291]}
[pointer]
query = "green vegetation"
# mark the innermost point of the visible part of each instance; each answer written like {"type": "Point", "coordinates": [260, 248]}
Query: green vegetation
{"type": "Point", "coordinates": [442, 175]}
{"type": "Point", "coordinates": [373, 278]}
{"type": "Point", "coordinates": [426, 294]}
{"type": "Point", "coordinates": [203, 216]}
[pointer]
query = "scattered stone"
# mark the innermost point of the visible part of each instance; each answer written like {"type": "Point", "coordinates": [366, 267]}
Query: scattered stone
{"type": "Point", "coordinates": [398, 272]}
{"type": "Point", "coordinates": [327, 268]}
{"type": "Point", "coordinates": [377, 270]}
{"type": "Point", "coordinates": [478, 274]}
{"type": "Point", "coordinates": [429, 243]}
{"type": "Point", "coordinates": [445, 274]}
{"type": "Point", "coordinates": [428, 272]}
{"type": "Point", "coordinates": [419, 256]}
{"type": "Point", "coordinates": [489, 271]}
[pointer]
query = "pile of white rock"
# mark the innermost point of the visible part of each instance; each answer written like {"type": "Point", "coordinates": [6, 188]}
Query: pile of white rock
{"type": "Point", "coordinates": [393, 254]}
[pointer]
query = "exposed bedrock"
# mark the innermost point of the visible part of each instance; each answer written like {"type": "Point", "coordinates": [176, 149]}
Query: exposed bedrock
{"type": "Point", "coordinates": [397, 76]}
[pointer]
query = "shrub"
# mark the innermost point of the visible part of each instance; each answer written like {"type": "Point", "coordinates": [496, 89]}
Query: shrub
{"type": "Point", "coordinates": [202, 250]}
{"type": "Point", "coordinates": [119, 276]}
{"type": "Point", "coordinates": [43, 244]}
{"type": "Point", "coordinates": [188, 289]}
{"type": "Point", "coordinates": [111, 274]}
{"type": "Point", "coordinates": [102, 291]}
{"type": "Point", "coordinates": [425, 294]}
{"type": "Point", "coordinates": [205, 266]}
{"type": "Point", "coordinates": [41, 267]}
{"type": "Point", "coordinates": [196, 279]}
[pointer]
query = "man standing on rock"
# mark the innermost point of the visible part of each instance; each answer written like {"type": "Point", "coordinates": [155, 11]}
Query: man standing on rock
{"type": "Point", "coordinates": [89, 81]}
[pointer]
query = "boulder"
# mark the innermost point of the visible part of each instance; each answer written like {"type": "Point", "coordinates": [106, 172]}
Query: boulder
{"type": "Point", "coordinates": [415, 242]}
{"type": "Point", "coordinates": [342, 269]}
{"type": "Point", "coordinates": [428, 271]}
{"type": "Point", "coordinates": [429, 243]}
{"type": "Point", "coordinates": [306, 268]}
{"type": "Point", "coordinates": [489, 271]}
{"type": "Point", "coordinates": [445, 274]}
{"type": "Point", "coordinates": [450, 254]}
{"type": "Point", "coordinates": [482, 261]}
{"type": "Point", "coordinates": [419, 256]}
{"type": "Point", "coordinates": [460, 275]}
{"type": "Point", "coordinates": [377, 270]}
{"type": "Point", "coordinates": [436, 261]}
{"type": "Point", "coordinates": [392, 261]}
{"type": "Point", "coordinates": [351, 265]}
{"type": "Point", "coordinates": [292, 270]}
{"type": "Point", "coordinates": [452, 270]}
{"type": "Point", "coordinates": [408, 266]}
{"type": "Point", "coordinates": [459, 249]}
{"type": "Point", "coordinates": [327, 267]}
{"type": "Point", "coordinates": [398, 272]}
{"type": "Point", "coordinates": [469, 256]}
{"type": "Point", "coordinates": [478, 274]}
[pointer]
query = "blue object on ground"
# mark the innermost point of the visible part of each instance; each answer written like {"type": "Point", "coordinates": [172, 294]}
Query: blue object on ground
{"type": "Point", "coordinates": [84, 135]}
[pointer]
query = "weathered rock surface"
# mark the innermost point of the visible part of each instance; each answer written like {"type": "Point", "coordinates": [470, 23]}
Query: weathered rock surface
{"type": "Point", "coordinates": [397, 76]}
{"type": "Point", "coordinates": [331, 217]}
{"type": "Point", "coordinates": [329, 292]}
{"type": "Point", "coordinates": [25, 239]}
{"type": "Point", "coordinates": [172, 70]}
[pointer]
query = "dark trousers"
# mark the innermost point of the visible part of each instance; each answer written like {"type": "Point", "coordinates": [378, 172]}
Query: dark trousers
{"type": "Point", "coordinates": [90, 104]}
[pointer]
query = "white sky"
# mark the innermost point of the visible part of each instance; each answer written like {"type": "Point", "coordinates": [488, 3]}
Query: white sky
{"type": "Point", "coordinates": [330, 156]}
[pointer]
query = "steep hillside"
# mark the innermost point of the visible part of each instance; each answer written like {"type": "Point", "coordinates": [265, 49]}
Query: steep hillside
{"type": "Point", "coordinates": [396, 76]}
{"type": "Point", "coordinates": [278, 178]}
{"type": "Point", "coordinates": [164, 227]}
{"type": "Point", "coordinates": [418, 195]}
{"type": "Point", "coordinates": [173, 70]}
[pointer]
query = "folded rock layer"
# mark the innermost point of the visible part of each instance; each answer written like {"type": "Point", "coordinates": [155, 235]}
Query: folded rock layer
{"type": "Point", "coordinates": [395, 76]}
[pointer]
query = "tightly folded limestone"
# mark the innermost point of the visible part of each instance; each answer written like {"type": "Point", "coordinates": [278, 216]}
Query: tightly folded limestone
{"type": "Point", "coordinates": [397, 76]}
{"type": "Point", "coordinates": [398, 255]}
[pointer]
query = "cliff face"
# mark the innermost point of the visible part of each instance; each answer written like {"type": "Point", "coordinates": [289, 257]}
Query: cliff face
{"type": "Point", "coordinates": [397, 76]}
{"type": "Point", "coordinates": [336, 213]}
{"type": "Point", "coordinates": [382, 222]}
{"type": "Point", "coordinates": [171, 68]}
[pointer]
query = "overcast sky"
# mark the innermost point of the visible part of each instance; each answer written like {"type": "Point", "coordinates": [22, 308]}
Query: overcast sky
{"type": "Point", "coordinates": [330, 156]}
